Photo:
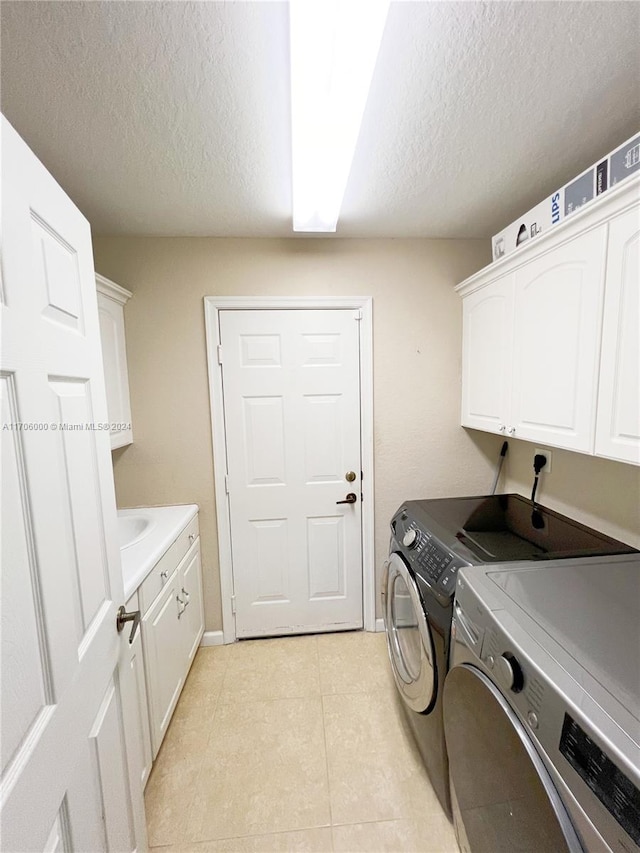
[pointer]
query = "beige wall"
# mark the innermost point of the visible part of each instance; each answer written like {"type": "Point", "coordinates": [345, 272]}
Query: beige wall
{"type": "Point", "coordinates": [420, 449]}
{"type": "Point", "coordinates": [597, 492]}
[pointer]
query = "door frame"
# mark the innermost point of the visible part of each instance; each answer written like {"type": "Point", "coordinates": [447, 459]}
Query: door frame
{"type": "Point", "coordinates": [212, 307]}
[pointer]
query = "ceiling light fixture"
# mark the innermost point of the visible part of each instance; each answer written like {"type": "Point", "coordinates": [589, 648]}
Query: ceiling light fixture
{"type": "Point", "coordinates": [334, 47]}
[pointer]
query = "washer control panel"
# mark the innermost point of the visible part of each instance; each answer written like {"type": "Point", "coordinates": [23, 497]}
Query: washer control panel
{"type": "Point", "coordinates": [429, 558]}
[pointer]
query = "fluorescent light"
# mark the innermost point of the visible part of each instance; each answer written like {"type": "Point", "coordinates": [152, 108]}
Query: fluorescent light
{"type": "Point", "coordinates": [334, 47]}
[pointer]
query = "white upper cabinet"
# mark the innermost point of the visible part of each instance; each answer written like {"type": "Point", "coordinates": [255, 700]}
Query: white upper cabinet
{"type": "Point", "coordinates": [486, 356]}
{"type": "Point", "coordinates": [556, 337]}
{"type": "Point", "coordinates": [618, 422]}
{"type": "Point", "coordinates": [111, 301]}
{"type": "Point", "coordinates": [541, 359]}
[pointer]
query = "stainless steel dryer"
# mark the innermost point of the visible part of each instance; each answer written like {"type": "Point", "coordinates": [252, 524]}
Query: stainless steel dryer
{"type": "Point", "coordinates": [430, 541]}
{"type": "Point", "coordinates": [542, 707]}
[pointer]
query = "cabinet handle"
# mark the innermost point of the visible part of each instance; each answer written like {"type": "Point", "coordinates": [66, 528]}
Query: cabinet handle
{"type": "Point", "coordinates": [511, 430]}
{"type": "Point", "coordinates": [164, 576]}
{"type": "Point", "coordinates": [501, 428]}
{"type": "Point", "coordinates": [192, 537]}
{"type": "Point", "coordinates": [182, 605]}
{"type": "Point", "coordinates": [188, 597]}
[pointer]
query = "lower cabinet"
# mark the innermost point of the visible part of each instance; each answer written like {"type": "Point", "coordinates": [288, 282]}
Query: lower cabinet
{"type": "Point", "coordinates": [172, 627]}
{"type": "Point", "coordinates": [134, 700]}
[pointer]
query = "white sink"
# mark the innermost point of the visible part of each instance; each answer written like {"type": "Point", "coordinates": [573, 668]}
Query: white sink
{"type": "Point", "coordinates": [133, 528]}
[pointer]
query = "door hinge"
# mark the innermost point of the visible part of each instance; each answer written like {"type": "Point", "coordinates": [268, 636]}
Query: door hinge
{"type": "Point", "coordinates": [226, 483]}
{"type": "Point", "coordinates": [233, 604]}
{"type": "Point", "coordinates": [358, 315]}
{"type": "Point", "coordinates": [219, 348]}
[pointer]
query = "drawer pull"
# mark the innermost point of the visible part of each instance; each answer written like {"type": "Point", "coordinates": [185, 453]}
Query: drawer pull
{"type": "Point", "coordinates": [163, 576]}
{"type": "Point", "coordinates": [187, 596]}
{"type": "Point", "coordinates": [192, 537]}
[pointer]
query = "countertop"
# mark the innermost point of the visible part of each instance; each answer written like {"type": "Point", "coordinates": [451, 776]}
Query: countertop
{"type": "Point", "coordinates": [141, 556]}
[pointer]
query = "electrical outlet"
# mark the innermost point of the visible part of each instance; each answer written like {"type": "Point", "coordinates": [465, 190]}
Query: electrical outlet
{"type": "Point", "coordinates": [547, 453]}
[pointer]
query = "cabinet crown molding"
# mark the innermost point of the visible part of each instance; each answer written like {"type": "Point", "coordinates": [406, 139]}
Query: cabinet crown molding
{"type": "Point", "coordinates": [112, 290]}
{"type": "Point", "coordinates": [614, 202]}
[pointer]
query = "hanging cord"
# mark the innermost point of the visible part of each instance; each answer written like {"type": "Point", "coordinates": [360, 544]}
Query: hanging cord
{"type": "Point", "coordinates": [539, 461]}
{"type": "Point", "coordinates": [503, 453]}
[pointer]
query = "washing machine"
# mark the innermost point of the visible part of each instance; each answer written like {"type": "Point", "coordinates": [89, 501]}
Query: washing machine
{"type": "Point", "coordinates": [431, 540]}
{"type": "Point", "coordinates": [542, 707]}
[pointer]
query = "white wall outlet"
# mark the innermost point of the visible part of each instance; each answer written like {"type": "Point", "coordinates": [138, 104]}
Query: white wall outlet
{"type": "Point", "coordinates": [547, 453]}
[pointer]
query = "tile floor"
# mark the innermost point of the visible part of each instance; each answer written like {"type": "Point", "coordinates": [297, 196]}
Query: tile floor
{"type": "Point", "coordinates": [292, 744]}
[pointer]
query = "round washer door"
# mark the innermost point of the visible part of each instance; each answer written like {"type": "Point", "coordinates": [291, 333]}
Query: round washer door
{"type": "Point", "coordinates": [502, 796]}
{"type": "Point", "coordinates": [408, 637]}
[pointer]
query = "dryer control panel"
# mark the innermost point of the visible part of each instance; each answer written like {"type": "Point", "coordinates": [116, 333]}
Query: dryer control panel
{"type": "Point", "coordinates": [426, 555]}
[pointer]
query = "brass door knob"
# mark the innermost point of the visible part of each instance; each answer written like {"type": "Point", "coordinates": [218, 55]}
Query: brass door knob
{"type": "Point", "coordinates": [350, 476]}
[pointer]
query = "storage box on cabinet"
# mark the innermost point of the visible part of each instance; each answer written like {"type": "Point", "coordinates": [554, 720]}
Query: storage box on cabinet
{"type": "Point", "coordinates": [533, 364]}
{"type": "Point", "coordinates": [172, 627]}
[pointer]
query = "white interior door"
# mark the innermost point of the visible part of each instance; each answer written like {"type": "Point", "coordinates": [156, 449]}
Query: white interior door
{"type": "Point", "coordinates": [292, 414]}
{"type": "Point", "coordinates": [64, 782]}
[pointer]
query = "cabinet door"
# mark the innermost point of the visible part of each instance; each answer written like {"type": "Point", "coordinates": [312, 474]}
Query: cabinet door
{"type": "Point", "coordinates": [163, 657]}
{"type": "Point", "coordinates": [114, 357]}
{"type": "Point", "coordinates": [618, 420]}
{"type": "Point", "coordinates": [556, 343]}
{"type": "Point", "coordinates": [192, 617]}
{"type": "Point", "coordinates": [134, 701]}
{"type": "Point", "coordinates": [486, 356]}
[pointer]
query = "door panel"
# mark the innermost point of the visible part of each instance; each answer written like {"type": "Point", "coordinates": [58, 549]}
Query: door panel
{"type": "Point", "coordinates": [61, 579]}
{"type": "Point", "coordinates": [326, 559]}
{"type": "Point", "coordinates": [292, 413]}
{"type": "Point", "coordinates": [269, 556]}
{"type": "Point", "coordinates": [264, 440]}
{"type": "Point", "coordinates": [323, 419]}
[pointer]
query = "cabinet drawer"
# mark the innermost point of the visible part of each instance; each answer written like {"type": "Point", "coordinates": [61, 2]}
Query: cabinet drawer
{"type": "Point", "coordinates": [166, 565]}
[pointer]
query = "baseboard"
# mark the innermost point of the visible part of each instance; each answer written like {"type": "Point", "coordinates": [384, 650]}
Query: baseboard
{"type": "Point", "coordinates": [379, 625]}
{"type": "Point", "coordinates": [212, 638]}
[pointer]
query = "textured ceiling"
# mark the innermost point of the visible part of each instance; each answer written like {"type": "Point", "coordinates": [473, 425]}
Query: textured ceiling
{"type": "Point", "coordinates": [173, 117]}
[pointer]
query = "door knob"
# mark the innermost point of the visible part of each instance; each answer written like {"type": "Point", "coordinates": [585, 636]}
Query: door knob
{"type": "Point", "coordinates": [350, 499]}
{"type": "Point", "coordinates": [350, 476]}
{"type": "Point", "coordinates": [122, 616]}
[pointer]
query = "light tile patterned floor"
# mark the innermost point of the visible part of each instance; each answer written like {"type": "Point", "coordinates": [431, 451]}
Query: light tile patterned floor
{"type": "Point", "coordinates": [292, 744]}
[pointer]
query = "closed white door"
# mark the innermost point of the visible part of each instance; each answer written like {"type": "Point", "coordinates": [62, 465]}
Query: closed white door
{"type": "Point", "coordinates": [292, 415]}
{"type": "Point", "coordinates": [64, 782]}
{"type": "Point", "coordinates": [618, 421]}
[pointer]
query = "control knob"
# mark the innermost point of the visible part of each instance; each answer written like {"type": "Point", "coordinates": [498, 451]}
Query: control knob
{"type": "Point", "coordinates": [510, 672]}
{"type": "Point", "coordinates": [410, 538]}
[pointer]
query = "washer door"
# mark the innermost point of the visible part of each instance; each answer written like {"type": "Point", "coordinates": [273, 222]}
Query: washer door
{"type": "Point", "coordinates": [408, 637]}
{"type": "Point", "coordinates": [503, 798]}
